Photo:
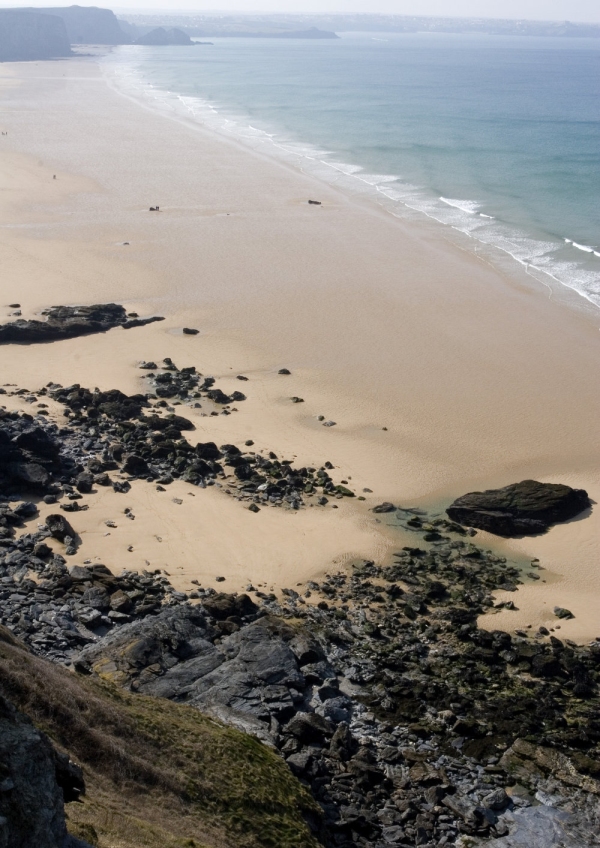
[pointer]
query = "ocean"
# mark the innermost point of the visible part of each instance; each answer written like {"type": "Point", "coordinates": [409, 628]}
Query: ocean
{"type": "Point", "coordinates": [496, 138]}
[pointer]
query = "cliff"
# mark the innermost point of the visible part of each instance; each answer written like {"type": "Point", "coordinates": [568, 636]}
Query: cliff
{"type": "Point", "coordinates": [30, 35]}
{"type": "Point", "coordinates": [89, 25]}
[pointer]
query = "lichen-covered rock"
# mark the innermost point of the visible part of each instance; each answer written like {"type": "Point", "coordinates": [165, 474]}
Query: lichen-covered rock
{"type": "Point", "coordinates": [521, 509]}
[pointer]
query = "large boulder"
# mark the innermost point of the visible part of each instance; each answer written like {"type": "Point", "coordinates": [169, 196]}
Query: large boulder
{"type": "Point", "coordinates": [521, 509]}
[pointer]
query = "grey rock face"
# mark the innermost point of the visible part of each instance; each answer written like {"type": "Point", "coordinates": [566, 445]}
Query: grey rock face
{"type": "Point", "coordinates": [31, 799]}
{"type": "Point", "coordinates": [252, 672]}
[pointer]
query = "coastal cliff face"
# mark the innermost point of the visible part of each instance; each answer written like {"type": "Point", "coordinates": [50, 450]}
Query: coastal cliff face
{"type": "Point", "coordinates": [31, 795]}
{"type": "Point", "coordinates": [26, 35]}
{"type": "Point", "coordinates": [89, 25]}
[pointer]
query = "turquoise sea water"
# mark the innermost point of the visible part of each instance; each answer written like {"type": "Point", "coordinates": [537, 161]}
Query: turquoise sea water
{"type": "Point", "coordinates": [496, 137]}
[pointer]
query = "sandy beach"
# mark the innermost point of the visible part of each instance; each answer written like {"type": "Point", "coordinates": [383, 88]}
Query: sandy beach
{"type": "Point", "coordinates": [443, 374]}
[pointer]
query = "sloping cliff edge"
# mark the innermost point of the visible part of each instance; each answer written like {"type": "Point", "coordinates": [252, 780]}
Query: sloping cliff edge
{"type": "Point", "coordinates": [27, 35]}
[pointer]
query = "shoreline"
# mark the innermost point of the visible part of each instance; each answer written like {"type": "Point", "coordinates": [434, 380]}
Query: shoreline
{"type": "Point", "coordinates": [197, 113]}
{"type": "Point", "coordinates": [435, 412]}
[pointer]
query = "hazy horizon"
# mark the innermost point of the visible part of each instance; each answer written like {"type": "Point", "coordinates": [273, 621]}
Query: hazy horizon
{"type": "Point", "coordinates": [543, 10]}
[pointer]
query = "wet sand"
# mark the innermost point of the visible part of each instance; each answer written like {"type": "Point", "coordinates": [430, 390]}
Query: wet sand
{"type": "Point", "coordinates": [481, 378]}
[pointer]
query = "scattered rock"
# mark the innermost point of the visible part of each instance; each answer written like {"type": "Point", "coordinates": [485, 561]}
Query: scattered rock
{"type": "Point", "coordinates": [561, 612]}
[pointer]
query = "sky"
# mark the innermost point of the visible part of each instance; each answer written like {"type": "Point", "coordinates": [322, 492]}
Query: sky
{"type": "Point", "coordinates": [572, 10]}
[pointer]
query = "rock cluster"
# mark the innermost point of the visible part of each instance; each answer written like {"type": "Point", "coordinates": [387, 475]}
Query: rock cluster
{"type": "Point", "coordinates": [66, 322]}
{"type": "Point", "coordinates": [521, 509]}
{"type": "Point", "coordinates": [111, 432]}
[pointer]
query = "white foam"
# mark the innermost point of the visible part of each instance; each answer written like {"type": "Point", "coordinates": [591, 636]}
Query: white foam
{"type": "Point", "coordinates": [470, 206]}
{"type": "Point", "coordinates": [583, 247]}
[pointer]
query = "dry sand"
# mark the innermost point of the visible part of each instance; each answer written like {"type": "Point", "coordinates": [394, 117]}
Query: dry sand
{"type": "Point", "coordinates": [481, 378]}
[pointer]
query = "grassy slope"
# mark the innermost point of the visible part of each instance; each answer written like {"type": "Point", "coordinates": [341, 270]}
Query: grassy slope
{"type": "Point", "coordinates": [157, 773]}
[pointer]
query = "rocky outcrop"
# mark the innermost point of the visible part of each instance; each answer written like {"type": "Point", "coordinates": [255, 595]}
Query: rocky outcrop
{"type": "Point", "coordinates": [89, 25]}
{"type": "Point", "coordinates": [31, 35]}
{"type": "Point", "coordinates": [245, 669]}
{"type": "Point", "coordinates": [35, 782]}
{"type": "Point", "coordinates": [521, 509]}
{"type": "Point", "coordinates": [160, 37]}
{"type": "Point", "coordinates": [66, 322]}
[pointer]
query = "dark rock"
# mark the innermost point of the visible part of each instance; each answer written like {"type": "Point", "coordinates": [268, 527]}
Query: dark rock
{"type": "Point", "coordinates": [135, 466]}
{"type": "Point", "coordinates": [25, 509]}
{"type": "Point", "coordinates": [140, 322]}
{"type": "Point", "coordinates": [42, 550]}
{"type": "Point", "coordinates": [342, 745]}
{"type": "Point", "coordinates": [96, 598]}
{"type": "Point", "coordinates": [522, 508]}
{"type": "Point", "coordinates": [156, 422]}
{"type": "Point", "coordinates": [284, 371]}
{"type": "Point", "coordinates": [189, 331]}
{"type": "Point", "coordinates": [59, 527]}
{"type": "Point", "coordinates": [309, 727]}
{"type": "Point", "coordinates": [65, 322]}
{"type": "Point", "coordinates": [222, 606]}
{"type": "Point", "coordinates": [300, 762]}
{"type": "Point", "coordinates": [29, 475]}
{"type": "Point", "coordinates": [208, 450]}
{"type": "Point", "coordinates": [37, 441]}
{"type": "Point", "coordinates": [384, 507]}
{"type": "Point", "coordinates": [217, 396]}
{"type": "Point", "coordinates": [121, 486]}
{"type": "Point", "coordinates": [84, 482]}
{"type": "Point", "coordinates": [561, 612]}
